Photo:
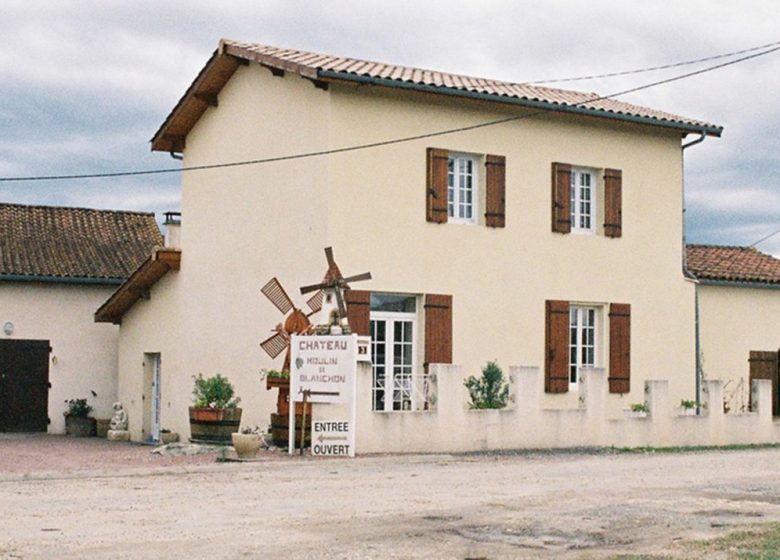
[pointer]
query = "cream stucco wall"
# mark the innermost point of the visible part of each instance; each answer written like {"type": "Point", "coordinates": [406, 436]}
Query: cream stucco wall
{"type": "Point", "coordinates": [734, 321]}
{"type": "Point", "coordinates": [243, 225]}
{"type": "Point", "coordinates": [84, 353]}
{"type": "Point", "coordinates": [500, 278]}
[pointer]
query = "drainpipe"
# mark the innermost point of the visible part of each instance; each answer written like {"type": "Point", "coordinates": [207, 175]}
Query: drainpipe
{"type": "Point", "coordinates": [691, 275]}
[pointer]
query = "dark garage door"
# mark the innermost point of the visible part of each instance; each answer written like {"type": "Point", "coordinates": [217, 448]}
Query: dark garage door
{"type": "Point", "coordinates": [24, 385]}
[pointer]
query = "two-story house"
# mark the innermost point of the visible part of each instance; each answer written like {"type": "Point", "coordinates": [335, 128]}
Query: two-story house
{"type": "Point", "coordinates": [500, 221]}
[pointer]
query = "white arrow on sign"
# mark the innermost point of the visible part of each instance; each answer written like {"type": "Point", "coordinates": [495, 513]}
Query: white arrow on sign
{"type": "Point", "coordinates": [331, 438]}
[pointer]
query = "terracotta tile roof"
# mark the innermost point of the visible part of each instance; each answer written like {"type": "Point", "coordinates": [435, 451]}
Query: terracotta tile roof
{"type": "Point", "coordinates": [327, 68]}
{"type": "Point", "coordinates": [733, 264]}
{"type": "Point", "coordinates": [57, 243]}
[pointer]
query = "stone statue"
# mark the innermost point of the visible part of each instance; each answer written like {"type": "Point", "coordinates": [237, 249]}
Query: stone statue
{"type": "Point", "coordinates": [119, 421]}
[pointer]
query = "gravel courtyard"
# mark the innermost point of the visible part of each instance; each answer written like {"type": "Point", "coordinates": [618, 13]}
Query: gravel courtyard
{"type": "Point", "coordinates": [67, 498]}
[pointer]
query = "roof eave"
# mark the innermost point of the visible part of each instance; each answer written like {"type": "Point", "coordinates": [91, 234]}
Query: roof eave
{"type": "Point", "coordinates": [199, 96]}
{"type": "Point", "coordinates": [162, 261]}
{"type": "Point", "coordinates": [330, 75]}
{"type": "Point", "coordinates": [739, 284]}
{"type": "Point", "coordinates": [61, 279]}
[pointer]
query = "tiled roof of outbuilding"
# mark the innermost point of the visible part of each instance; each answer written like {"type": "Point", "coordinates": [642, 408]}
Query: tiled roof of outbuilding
{"type": "Point", "coordinates": [733, 264]}
{"type": "Point", "coordinates": [327, 68]}
{"type": "Point", "coordinates": [77, 244]}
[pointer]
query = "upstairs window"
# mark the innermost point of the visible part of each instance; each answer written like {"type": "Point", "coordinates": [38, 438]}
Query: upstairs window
{"type": "Point", "coordinates": [583, 200]}
{"type": "Point", "coordinates": [456, 191]}
{"type": "Point", "coordinates": [461, 188]}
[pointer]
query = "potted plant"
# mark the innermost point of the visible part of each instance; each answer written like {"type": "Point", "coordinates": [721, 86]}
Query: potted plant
{"type": "Point", "coordinates": [247, 442]}
{"type": "Point", "coordinates": [687, 407]}
{"type": "Point", "coordinates": [488, 391]}
{"type": "Point", "coordinates": [167, 436]}
{"type": "Point", "coordinates": [77, 420]}
{"type": "Point", "coordinates": [637, 410]}
{"type": "Point", "coordinates": [215, 413]}
{"type": "Point", "coordinates": [274, 378]}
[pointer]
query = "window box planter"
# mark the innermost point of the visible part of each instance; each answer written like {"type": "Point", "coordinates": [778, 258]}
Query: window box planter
{"type": "Point", "coordinates": [628, 413]}
{"type": "Point", "coordinates": [683, 411]}
{"type": "Point", "coordinates": [277, 383]}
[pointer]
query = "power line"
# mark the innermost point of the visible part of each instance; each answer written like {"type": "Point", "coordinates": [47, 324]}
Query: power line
{"type": "Point", "coordinates": [369, 145]}
{"type": "Point", "coordinates": [764, 238]}
{"type": "Point", "coordinates": [655, 68]}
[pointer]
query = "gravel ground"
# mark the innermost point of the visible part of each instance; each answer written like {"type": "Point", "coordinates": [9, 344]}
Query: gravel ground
{"type": "Point", "coordinates": [86, 498]}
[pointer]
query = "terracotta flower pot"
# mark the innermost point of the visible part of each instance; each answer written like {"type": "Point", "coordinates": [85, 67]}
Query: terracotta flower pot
{"type": "Point", "coordinates": [246, 445]}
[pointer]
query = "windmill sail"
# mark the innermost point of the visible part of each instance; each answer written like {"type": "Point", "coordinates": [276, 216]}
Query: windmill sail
{"type": "Point", "coordinates": [275, 293]}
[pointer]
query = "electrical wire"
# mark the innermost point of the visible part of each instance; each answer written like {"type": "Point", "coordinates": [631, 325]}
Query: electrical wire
{"type": "Point", "coordinates": [764, 238]}
{"type": "Point", "coordinates": [655, 68]}
{"type": "Point", "coordinates": [369, 145]}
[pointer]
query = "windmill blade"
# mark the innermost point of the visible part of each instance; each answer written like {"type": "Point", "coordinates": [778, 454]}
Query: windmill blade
{"type": "Point", "coordinates": [275, 344]}
{"type": "Point", "coordinates": [311, 288]}
{"type": "Point", "coordinates": [358, 277]}
{"type": "Point", "coordinates": [275, 293]}
{"type": "Point", "coordinates": [315, 301]}
{"type": "Point", "coordinates": [333, 268]}
{"type": "Point", "coordinates": [342, 307]}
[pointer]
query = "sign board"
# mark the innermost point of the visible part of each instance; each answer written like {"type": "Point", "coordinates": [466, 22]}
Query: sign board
{"type": "Point", "coordinates": [333, 438]}
{"type": "Point", "coordinates": [323, 369]}
{"type": "Point", "coordinates": [325, 366]}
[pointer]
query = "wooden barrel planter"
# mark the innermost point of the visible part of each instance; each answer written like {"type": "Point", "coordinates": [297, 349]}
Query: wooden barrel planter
{"type": "Point", "coordinates": [280, 429]}
{"type": "Point", "coordinates": [280, 423]}
{"type": "Point", "coordinates": [214, 425]}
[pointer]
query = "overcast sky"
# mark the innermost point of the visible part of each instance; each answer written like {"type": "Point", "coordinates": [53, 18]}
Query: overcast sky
{"type": "Point", "coordinates": [85, 84]}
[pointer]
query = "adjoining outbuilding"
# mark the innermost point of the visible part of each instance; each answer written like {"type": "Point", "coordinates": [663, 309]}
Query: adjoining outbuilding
{"type": "Point", "coordinates": [57, 265]}
{"type": "Point", "coordinates": [738, 294]}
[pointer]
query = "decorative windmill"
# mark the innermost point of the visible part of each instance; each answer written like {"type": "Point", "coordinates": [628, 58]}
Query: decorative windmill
{"type": "Point", "coordinates": [333, 285]}
{"type": "Point", "coordinates": [296, 322]}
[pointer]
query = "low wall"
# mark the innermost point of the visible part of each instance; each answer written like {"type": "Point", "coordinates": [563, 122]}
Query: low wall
{"type": "Point", "coordinates": [452, 427]}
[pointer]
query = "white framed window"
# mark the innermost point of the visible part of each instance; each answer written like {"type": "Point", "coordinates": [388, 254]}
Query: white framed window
{"type": "Point", "coordinates": [393, 330]}
{"type": "Point", "coordinates": [583, 200]}
{"type": "Point", "coordinates": [584, 339]}
{"type": "Point", "coordinates": [462, 188]}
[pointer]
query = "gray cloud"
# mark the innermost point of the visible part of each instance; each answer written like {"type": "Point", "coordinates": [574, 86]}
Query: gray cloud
{"type": "Point", "coordinates": [87, 82]}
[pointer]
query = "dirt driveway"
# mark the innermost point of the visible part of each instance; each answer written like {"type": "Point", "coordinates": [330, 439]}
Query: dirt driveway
{"type": "Point", "coordinates": [531, 505]}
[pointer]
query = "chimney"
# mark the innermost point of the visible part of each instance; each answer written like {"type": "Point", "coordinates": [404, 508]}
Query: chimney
{"type": "Point", "coordinates": [172, 230]}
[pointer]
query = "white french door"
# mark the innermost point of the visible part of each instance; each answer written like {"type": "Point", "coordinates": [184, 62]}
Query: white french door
{"type": "Point", "coordinates": [393, 339]}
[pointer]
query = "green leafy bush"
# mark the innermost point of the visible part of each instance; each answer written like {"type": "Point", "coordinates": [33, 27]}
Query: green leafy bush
{"type": "Point", "coordinates": [78, 408]}
{"type": "Point", "coordinates": [213, 392]}
{"type": "Point", "coordinates": [640, 407]}
{"type": "Point", "coordinates": [489, 390]}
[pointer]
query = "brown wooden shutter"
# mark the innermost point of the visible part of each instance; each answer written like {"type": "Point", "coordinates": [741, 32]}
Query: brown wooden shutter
{"type": "Point", "coordinates": [358, 311]}
{"type": "Point", "coordinates": [436, 187]}
{"type": "Point", "coordinates": [561, 197]}
{"type": "Point", "coordinates": [495, 187]}
{"type": "Point", "coordinates": [438, 329]}
{"type": "Point", "coordinates": [613, 213]}
{"type": "Point", "coordinates": [619, 348]}
{"type": "Point", "coordinates": [556, 359]}
{"type": "Point", "coordinates": [765, 365]}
